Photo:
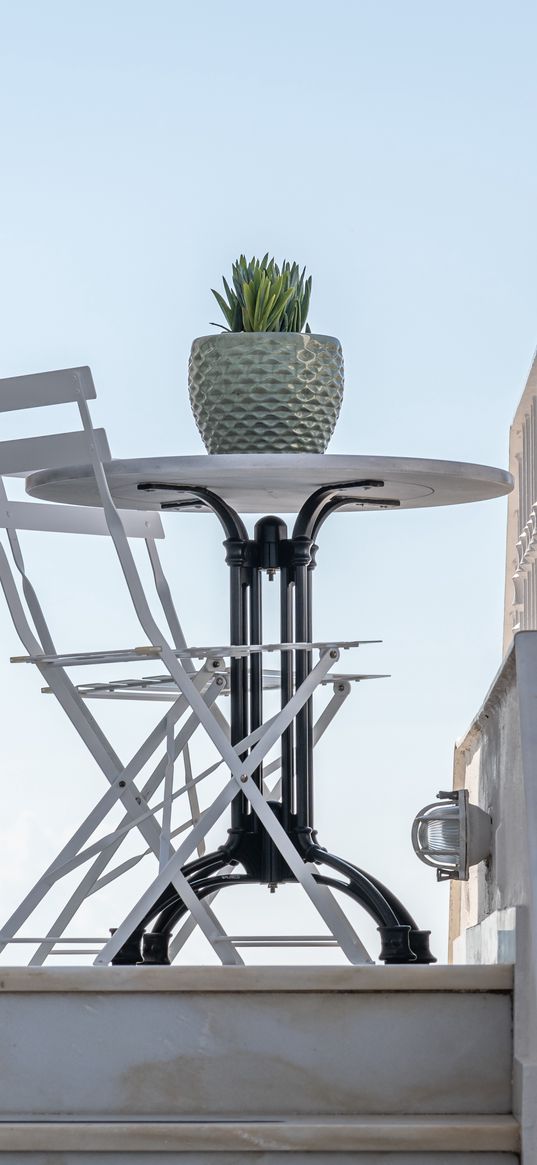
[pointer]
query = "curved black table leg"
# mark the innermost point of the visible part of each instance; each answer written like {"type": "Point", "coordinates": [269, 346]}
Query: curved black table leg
{"type": "Point", "coordinates": [130, 953]}
{"type": "Point", "coordinates": [395, 934]}
{"type": "Point", "coordinates": [393, 942]}
{"type": "Point", "coordinates": [395, 938]}
{"type": "Point", "coordinates": [155, 943]}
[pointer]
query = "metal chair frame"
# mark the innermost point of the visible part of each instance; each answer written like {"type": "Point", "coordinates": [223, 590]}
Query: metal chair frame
{"type": "Point", "coordinates": [272, 833]}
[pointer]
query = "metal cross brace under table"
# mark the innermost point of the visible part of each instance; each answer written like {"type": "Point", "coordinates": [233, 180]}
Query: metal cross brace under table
{"type": "Point", "coordinates": [272, 837]}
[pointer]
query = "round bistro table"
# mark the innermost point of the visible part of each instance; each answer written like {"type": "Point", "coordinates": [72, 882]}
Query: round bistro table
{"type": "Point", "coordinates": [251, 483]}
{"type": "Point", "coordinates": [312, 487]}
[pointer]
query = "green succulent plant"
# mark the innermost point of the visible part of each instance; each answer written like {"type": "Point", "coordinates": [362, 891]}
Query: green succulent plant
{"type": "Point", "coordinates": [265, 298]}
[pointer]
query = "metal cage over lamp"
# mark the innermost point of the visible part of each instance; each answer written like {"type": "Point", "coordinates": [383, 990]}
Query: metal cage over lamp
{"type": "Point", "coordinates": [451, 835]}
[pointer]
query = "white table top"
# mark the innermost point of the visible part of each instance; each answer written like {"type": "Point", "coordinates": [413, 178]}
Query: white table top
{"type": "Point", "coordinates": [259, 483]}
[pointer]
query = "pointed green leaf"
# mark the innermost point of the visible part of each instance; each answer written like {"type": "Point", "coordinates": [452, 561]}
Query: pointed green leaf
{"type": "Point", "coordinates": [228, 314]}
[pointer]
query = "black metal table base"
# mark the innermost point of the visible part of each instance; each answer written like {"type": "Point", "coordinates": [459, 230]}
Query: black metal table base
{"type": "Point", "coordinates": [249, 847]}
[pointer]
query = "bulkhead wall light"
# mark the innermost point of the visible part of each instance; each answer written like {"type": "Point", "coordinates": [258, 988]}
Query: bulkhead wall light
{"type": "Point", "coordinates": [451, 835]}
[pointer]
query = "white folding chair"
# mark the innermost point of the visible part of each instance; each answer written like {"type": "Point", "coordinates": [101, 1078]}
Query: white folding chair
{"type": "Point", "coordinates": [193, 691]}
{"type": "Point", "coordinates": [30, 454]}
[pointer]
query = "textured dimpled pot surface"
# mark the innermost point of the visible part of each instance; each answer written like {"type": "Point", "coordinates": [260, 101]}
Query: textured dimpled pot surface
{"type": "Point", "coordinates": [266, 392]}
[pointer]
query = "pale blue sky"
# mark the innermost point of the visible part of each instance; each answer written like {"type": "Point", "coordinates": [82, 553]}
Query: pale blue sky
{"type": "Point", "coordinates": [391, 148]}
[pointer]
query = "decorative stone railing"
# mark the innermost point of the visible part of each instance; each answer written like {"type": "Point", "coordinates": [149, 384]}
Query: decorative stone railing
{"type": "Point", "coordinates": [521, 558]}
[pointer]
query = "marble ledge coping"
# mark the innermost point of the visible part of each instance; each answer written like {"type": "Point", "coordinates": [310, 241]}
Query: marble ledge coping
{"type": "Point", "coordinates": [193, 979]}
{"type": "Point", "coordinates": [353, 1134]}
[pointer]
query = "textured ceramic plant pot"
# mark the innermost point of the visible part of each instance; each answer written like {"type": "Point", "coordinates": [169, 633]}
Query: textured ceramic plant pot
{"type": "Point", "coordinates": [266, 392]}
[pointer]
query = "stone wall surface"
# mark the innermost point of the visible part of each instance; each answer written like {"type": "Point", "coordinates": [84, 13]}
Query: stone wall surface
{"type": "Point", "coordinates": [208, 1066]}
{"type": "Point", "coordinates": [177, 1055]}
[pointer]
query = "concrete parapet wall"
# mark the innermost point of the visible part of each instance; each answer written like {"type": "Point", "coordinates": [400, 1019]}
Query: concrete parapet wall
{"type": "Point", "coordinates": [260, 1158]}
{"type": "Point", "coordinates": [90, 1051]}
{"type": "Point", "coordinates": [256, 1065]}
{"type": "Point", "coordinates": [256, 1158]}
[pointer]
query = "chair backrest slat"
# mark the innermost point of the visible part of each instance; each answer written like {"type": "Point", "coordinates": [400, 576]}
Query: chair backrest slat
{"type": "Point", "coordinates": [29, 454]}
{"type": "Point", "coordinates": [45, 388]}
{"type": "Point", "coordinates": [58, 519]}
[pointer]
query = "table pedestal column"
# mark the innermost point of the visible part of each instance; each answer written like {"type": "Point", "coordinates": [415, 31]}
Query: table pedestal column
{"type": "Point", "coordinates": [249, 845]}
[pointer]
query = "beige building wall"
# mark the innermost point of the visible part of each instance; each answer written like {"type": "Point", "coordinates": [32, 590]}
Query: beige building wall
{"type": "Point", "coordinates": [521, 556]}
